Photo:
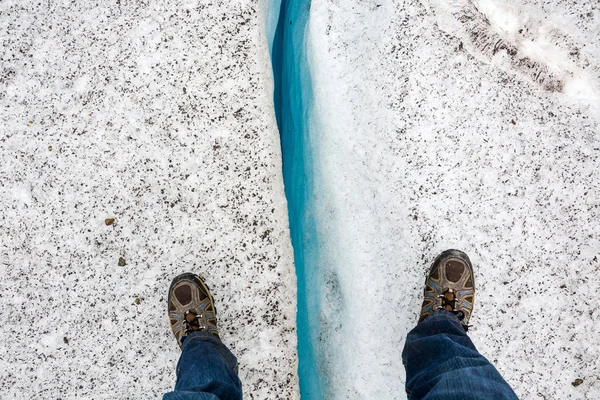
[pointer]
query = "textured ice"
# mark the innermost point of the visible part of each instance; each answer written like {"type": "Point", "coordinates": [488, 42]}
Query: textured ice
{"type": "Point", "coordinates": [425, 139]}
{"type": "Point", "coordinates": [157, 114]}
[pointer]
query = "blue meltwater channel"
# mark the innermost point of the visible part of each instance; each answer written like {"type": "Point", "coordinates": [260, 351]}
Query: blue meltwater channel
{"type": "Point", "coordinates": [287, 28]}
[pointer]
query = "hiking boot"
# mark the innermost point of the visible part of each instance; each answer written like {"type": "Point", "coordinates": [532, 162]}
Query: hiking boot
{"type": "Point", "coordinates": [450, 286]}
{"type": "Point", "coordinates": [191, 307]}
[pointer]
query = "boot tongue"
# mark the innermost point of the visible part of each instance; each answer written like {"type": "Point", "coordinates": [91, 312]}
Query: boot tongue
{"type": "Point", "coordinates": [192, 321]}
{"type": "Point", "coordinates": [449, 295]}
{"type": "Point", "coordinates": [450, 299]}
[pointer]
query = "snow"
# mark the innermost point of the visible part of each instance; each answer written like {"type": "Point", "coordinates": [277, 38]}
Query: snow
{"type": "Point", "coordinates": [426, 139]}
{"type": "Point", "coordinates": [160, 116]}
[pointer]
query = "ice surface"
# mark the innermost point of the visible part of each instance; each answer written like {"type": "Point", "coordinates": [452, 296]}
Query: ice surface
{"type": "Point", "coordinates": [425, 138]}
{"type": "Point", "coordinates": [157, 114]}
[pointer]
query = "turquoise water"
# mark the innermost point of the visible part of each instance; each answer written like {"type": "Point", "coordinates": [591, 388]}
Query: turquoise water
{"type": "Point", "coordinates": [293, 99]}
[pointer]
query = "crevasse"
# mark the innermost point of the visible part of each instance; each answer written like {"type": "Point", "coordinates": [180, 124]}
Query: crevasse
{"type": "Point", "coordinates": [286, 29]}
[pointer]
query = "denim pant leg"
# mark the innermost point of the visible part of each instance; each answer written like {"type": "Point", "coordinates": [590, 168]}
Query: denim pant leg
{"type": "Point", "coordinates": [206, 370]}
{"type": "Point", "coordinates": [443, 364]}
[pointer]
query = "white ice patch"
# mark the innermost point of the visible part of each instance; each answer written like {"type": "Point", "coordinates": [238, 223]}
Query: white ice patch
{"type": "Point", "coordinates": [418, 148]}
{"type": "Point", "coordinates": [160, 115]}
{"type": "Point", "coordinates": [583, 87]}
{"type": "Point", "coordinates": [80, 84]}
{"type": "Point", "coordinates": [523, 41]}
{"type": "Point", "coordinates": [51, 340]}
{"type": "Point", "coordinates": [145, 64]}
{"type": "Point", "coordinates": [22, 194]}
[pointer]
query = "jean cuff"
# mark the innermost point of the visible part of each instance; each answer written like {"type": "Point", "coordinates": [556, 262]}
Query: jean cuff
{"type": "Point", "coordinates": [202, 336]}
{"type": "Point", "coordinates": [444, 315]}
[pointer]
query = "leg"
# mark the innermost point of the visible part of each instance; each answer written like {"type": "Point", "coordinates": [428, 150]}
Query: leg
{"type": "Point", "coordinates": [442, 363]}
{"type": "Point", "coordinates": [206, 370]}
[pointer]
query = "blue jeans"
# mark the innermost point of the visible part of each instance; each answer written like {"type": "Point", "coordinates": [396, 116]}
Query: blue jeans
{"type": "Point", "coordinates": [206, 370]}
{"type": "Point", "coordinates": [443, 364]}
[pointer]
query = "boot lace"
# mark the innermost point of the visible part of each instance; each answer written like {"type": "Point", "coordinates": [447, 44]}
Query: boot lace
{"type": "Point", "coordinates": [448, 303]}
{"type": "Point", "coordinates": [194, 322]}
